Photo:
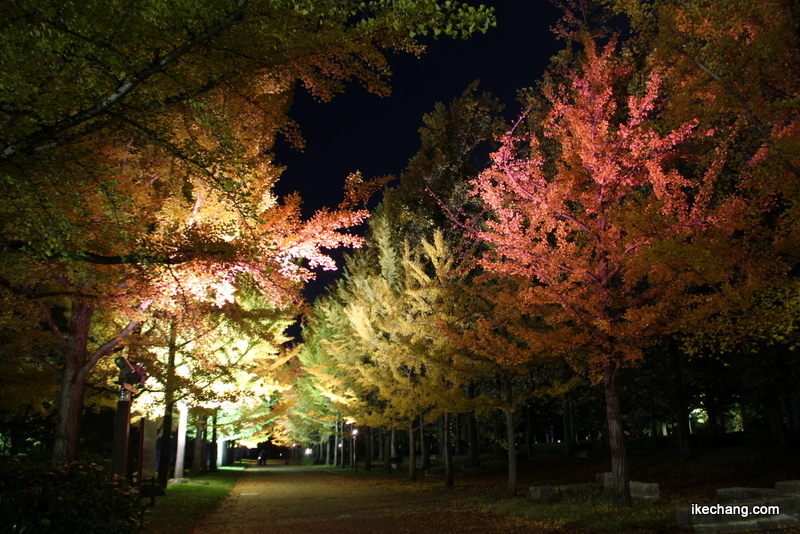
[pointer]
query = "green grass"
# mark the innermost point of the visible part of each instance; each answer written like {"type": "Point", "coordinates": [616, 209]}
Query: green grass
{"type": "Point", "coordinates": [186, 504]}
{"type": "Point", "coordinates": [596, 513]}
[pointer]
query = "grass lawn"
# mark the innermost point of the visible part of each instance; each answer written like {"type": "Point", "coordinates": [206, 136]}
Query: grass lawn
{"type": "Point", "coordinates": [185, 504]}
{"type": "Point", "coordinates": [596, 513]}
{"type": "Point", "coordinates": [682, 483]}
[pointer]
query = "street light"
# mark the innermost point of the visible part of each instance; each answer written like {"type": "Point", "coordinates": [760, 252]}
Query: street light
{"type": "Point", "coordinates": [131, 378]}
{"type": "Point", "coordinates": [355, 454]}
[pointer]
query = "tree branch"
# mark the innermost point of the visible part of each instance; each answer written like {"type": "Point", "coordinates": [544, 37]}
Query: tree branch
{"type": "Point", "coordinates": [41, 361]}
{"type": "Point", "coordinates": [106, 347]}
{"type": "Point", "coordinates": [52, 324]}
{"type": "Point", "coordinates": [124, 89]}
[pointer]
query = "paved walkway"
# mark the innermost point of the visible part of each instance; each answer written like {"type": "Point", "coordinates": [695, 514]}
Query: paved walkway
{"type": "Point", "coordinates": [279, 499]}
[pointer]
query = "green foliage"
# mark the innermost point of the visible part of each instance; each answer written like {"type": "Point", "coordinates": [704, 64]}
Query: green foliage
{"type": "Point", "coordinates": [69, 498]}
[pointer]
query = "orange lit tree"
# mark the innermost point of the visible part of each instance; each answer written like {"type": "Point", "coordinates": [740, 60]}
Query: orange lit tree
{"type": "Point", "coordinates": [135, 159]}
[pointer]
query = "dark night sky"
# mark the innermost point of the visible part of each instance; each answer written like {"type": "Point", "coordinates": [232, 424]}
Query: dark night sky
{"type": "Point", "coordinates": [359, 131]}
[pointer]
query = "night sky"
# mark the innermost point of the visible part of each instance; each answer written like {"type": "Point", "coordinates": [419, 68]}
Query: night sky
{"type": "Point", "coordinates": [359, 131]}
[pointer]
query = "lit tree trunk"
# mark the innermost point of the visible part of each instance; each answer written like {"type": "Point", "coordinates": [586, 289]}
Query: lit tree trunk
{"type": "Point", "coordinates": [446, 451]}
{"type": "Point", "coordinates": [508, 399]}
{"type": "Point", "coordinates": [412, 453]}
{"type": "Point", "coordinates": [73, 380]}
{"type": "Point", "coordinates": [616, 438]}
{"type": "Point", "coordinates": [77, 366]}
{"type": "Point", "coordinates": [181, 448]}
{"type": "Point", "coordinates": [169, 406]}
{"type": "Point", "coordinates": [336, 443]}
{"type": "Point", "coordinates": [198, 456]}
{"type": "Point", "coordinates": [213, 460]}
{"type": "Point", "coordinates": [343, 443]}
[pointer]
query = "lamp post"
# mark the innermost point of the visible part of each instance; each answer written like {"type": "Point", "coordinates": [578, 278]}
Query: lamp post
{"type": "Point", "coordinates": [131, 377]}
{"type": "Point", "coordinates": [355, 454]}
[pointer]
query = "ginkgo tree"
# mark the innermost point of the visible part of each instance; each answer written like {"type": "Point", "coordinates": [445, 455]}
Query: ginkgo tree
{"type": "Point", "coordinates": [580, 225]}
{"type": "Point", "coordinates": [136, 155]}
{"type": "Point", "coordinates": [733, 67]}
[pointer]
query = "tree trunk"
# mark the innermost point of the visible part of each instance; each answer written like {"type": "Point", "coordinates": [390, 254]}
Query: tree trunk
{"type": "Point", "coordinates": [77, 366]}
{"type": "Point", "coordinates": [65, 448]}
{"type": "Point", "coordinates": [474, 441]}
{"type": "Point", "coordinates": [508, 400]}
{"type": "Point", "coordinates": [336, 443]}
{"type": "Point", "coordinates": [165, 455]}
{"type": "Point", "coordinates": [343, 442]}
{"type": "Point", "coordinates": [679, 402]}
{"type": "Point", "coordinates": [387, 451]}
{"type": "Point", "coordinates": [616, 438]}
{"type": "Point", "coordinates": [472, 433]}
{"type": "Point", "coordinates": [711, 407]}
{"type": "Point", "coordinates": [529, 432]}
{"type": "Point", "coordinates": [446, 450]}
{"type": "Point", "coordinates": [180, 452]}
{"type": "Point", "coordinates": [412, 453]}
{"type": "Point", "coordinates": [423, 444]}
{"type": "Point", "coordinates": [73, 380]}
{"type": "Point", "coordinates": [214, 447]}
{"type": "Point", "coordinates": [569, 427]}
{"type": "Point", "coordinates": [197, 452]}
{"type": "Point", "coordinates": [457, 433]}
{"type": "Point", "coordinates": [498, 419]}
{"type": "Point", "coordinates": [368, 436]}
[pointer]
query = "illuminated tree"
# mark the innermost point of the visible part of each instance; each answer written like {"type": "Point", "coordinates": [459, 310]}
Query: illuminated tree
{"type": "Point", "coordinates": [124, 175]}
{"type": "Point", "coordinates": [734, 67]}
{"type": "Point", "coordinates": [579, 226]}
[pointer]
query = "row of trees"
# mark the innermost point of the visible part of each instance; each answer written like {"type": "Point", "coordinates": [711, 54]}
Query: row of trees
{"type": "Point", "coordinates": [645, 203]}
{"type": "Point", "coordinates": [138, 210]}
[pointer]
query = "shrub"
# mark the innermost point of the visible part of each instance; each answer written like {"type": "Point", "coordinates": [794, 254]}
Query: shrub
{"type": "Point", "coordinates": [72, 498]}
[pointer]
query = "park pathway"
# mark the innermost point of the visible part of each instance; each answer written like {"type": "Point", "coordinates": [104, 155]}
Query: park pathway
{"type": "Point", "coordinates": [279, 499]}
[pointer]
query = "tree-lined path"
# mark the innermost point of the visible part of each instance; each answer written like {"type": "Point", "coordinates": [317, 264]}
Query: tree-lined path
{"type": "Point", "coordinates": [279, 499]}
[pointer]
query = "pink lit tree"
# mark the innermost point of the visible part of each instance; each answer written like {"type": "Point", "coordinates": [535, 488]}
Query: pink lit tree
{"type": "Point", "coordinates": [581, 208]}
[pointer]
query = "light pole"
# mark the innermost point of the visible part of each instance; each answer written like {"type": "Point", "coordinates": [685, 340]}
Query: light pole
{"type": "Point", "coordinates": [131, 377]}
{"type": "Point", "coordinates": [355, 454]}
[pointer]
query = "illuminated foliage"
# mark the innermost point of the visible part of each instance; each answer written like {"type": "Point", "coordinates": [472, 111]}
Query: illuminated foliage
{"type": "Point", "coordinates": [580, 226]}
{"type": "Point", "coordinates": [135, 157]}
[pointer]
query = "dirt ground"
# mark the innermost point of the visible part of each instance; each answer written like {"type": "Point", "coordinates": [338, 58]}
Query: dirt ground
{"type": "Point", "coordinates": [279, 499]}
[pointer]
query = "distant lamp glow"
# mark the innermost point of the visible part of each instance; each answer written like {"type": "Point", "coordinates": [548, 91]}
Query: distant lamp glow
{"type": "Point", "coordinates": [308, 452]}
